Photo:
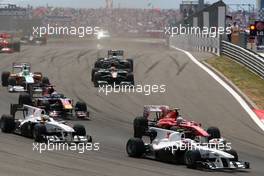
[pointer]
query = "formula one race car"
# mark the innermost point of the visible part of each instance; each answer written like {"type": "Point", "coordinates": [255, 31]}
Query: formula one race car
{"type": "Point", "coordinates": [21, 79]}
{"type": "Point", "coordinates": [8, 44]}
{"type": "Point", "coordinates": [33, 40]}
{"type": "Point", "coordinates": [173, 147]}
{"type": "Point", "coordinates": [43, 128]}
{"type": "Point", "coordinates": [162, 116]}
{"type": "Point", "coordinates": [114, 58]}
{"type": "Point", "coordinates": [55, 105]}
{"type": "Point", "coordinates": [113, 76]}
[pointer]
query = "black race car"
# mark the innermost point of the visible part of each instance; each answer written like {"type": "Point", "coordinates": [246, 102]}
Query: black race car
{"type": "Point", "coordinates": [114, 58]}
{"type": "Point", "coordinates": [113, 76]}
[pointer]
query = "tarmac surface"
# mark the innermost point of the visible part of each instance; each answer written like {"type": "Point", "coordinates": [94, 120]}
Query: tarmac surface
{"type": "Point", "coordinates": [68, 65]}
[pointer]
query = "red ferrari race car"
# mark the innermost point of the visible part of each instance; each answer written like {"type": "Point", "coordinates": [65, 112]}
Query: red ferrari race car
{"type": "Point", "coordinates": [8, 44]}
{"type": "Point", "coordinates": [162, 116]}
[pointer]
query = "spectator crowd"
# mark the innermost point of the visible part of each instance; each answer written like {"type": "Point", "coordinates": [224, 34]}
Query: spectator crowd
{"type": "Point", "coordinates": [118, 20]}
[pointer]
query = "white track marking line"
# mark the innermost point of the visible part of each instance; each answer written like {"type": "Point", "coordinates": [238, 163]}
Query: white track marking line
{"type": "Point", "coordinates": [239, 99]}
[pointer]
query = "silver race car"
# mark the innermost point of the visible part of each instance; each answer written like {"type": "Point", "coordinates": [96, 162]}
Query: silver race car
{"type": "Point", "coordinates": [171, 146]}
{"type": "Point", "coordinates": [43, 128]}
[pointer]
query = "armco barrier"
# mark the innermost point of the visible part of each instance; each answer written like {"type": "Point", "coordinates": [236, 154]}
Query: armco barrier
{"type": "Point", "coordinates": [251, 60]}
{"type": "Point", "coordinates": [198, 42]}
{"type": "Point", "coordinates": [204, 43]}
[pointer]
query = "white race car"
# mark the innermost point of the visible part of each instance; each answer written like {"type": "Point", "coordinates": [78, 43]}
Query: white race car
{"type": "Point", "coordinates": [42, 127]}
{"type": "Point", "coordinates": [171, 146]}
{"type": "Point", "coordinates": [21, 79]}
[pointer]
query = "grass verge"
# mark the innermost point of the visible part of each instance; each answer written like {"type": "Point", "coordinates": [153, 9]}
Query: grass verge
{"type": "Point", "coordinates": [248, 82]}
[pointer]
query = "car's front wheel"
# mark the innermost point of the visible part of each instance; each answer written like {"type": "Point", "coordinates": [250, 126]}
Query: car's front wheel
{"type": "Point", "coordinates": [191, 157]}
{"type": "Point", "coordinates": [79, 130]}
{"type": "Point", "coordinates": [39, 132]}
{"type": "Point", "coordinates": [5, 76]}
{"type": "Point", "coordinates": [135, 147]}
{"type": "Point", "coordinates": [7, 123]}
{"type": "Point", "coordinates": [233, 153]}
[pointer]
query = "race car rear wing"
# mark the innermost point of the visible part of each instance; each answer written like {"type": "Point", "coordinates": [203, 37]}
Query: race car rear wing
{"type": "Point", "coordinates": [115, 52]}
{"type": "Point", "coordinates": [26, 110]}
{"type": "Point", "coordinates": [21, 64]}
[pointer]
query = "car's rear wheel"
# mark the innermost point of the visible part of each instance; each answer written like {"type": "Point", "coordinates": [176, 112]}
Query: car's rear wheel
{"type": "Point", "coordinates": [140, 126]}
{"type": "Point", "coordinates": [7, 123]}
{"type": "Point", "coordinates": [96, 78]}
{"type": "Point", "coordinates": [45, 81]}
{"type": "Point", "coordinates": [131, 62]}
{"type": "Point", "coordinates": [4, 77]}
{"type": "Point", "coordinates": [213, 132]}
{"type": "Point", "coordinates": [97, 64]}
{"type": "Point", "coordinates": [46, 105]}
{"type": "Point", "coordinates": [130, 78]}
{"type": "Point", "coordinates": [80, 106]}
{"type": "Point", "coordinates": [79, 130]}
{"type": "Point", "coordinates": [24, 99]}
{"type": "Point", "coordinates": [11, 81]}
{"type": "Point", "coordinates": [135, 147]}
{"type": "Point", "coordinates": [94, 70]}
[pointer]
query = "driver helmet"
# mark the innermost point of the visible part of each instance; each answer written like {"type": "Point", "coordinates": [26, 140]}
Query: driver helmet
{"type": "Point", "coordinates": [54, 93]}
{"type": "Point", "coordinates": [25, 71]}
{"type": "Point", "coordinates": [164, 111]}
{"type": "Point", "coordinates": [51, 90]}
{"type": "Point", "coordinates": [113, 67]}
{"type": "Point", "coordinates": [180, 120]}
{"type": "Point", "coordinates": [44, 118]}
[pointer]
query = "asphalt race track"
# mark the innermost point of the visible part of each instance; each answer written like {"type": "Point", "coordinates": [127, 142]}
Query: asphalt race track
{"type": "Point", "coordinates": [68, 65]}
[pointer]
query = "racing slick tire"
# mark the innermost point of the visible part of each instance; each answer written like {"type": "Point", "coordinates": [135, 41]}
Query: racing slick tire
{"type": "Point", "coordinates": [135, 147]}
{"type": "Point", "coordinates": [24, 99]}
{"type": "Point", "coordinates": [191, 157]}
{"type": "Point", "coordinates": [46, 105]}
{"type": "Point", "coordinates": [4, 78]}
{"type": "Point", "coordinates": [140, 126]}
{"type": "Point", "coordinates": [213, 132]}
{"type": "Point", "coordinates": [94, 70]}
{"type": "Point", "coordinates": [7, 123]}
{"type": "Point", "coordinates": [39, 132]}
{"type": "Point", "coordinates": [97, 64]}
{"type": "Point", "coordinates": [131, 62]}
{"type": "Point", "coordinates": [80, 106]}
{"type": "Point", "coordinates": [11, 81]}
{"type": "Point", "coordinates": [79, 130]}
{"type": "Point", "coordinates": [96, 78]}
{"type": "Point", "coordinates": [130, 78]}
{"type": "Point", "coordinates": [234, 153]}
{"type": "Point", "coordinates": [45, 81]}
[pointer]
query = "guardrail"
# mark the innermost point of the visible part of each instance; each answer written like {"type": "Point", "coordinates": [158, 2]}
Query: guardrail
{"type": "Point", "coordinates": [251, 60]}
{"type": "Point", "coordinates": [204, 43]}
{"type": "Point", "coordinates": [199, 42]}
